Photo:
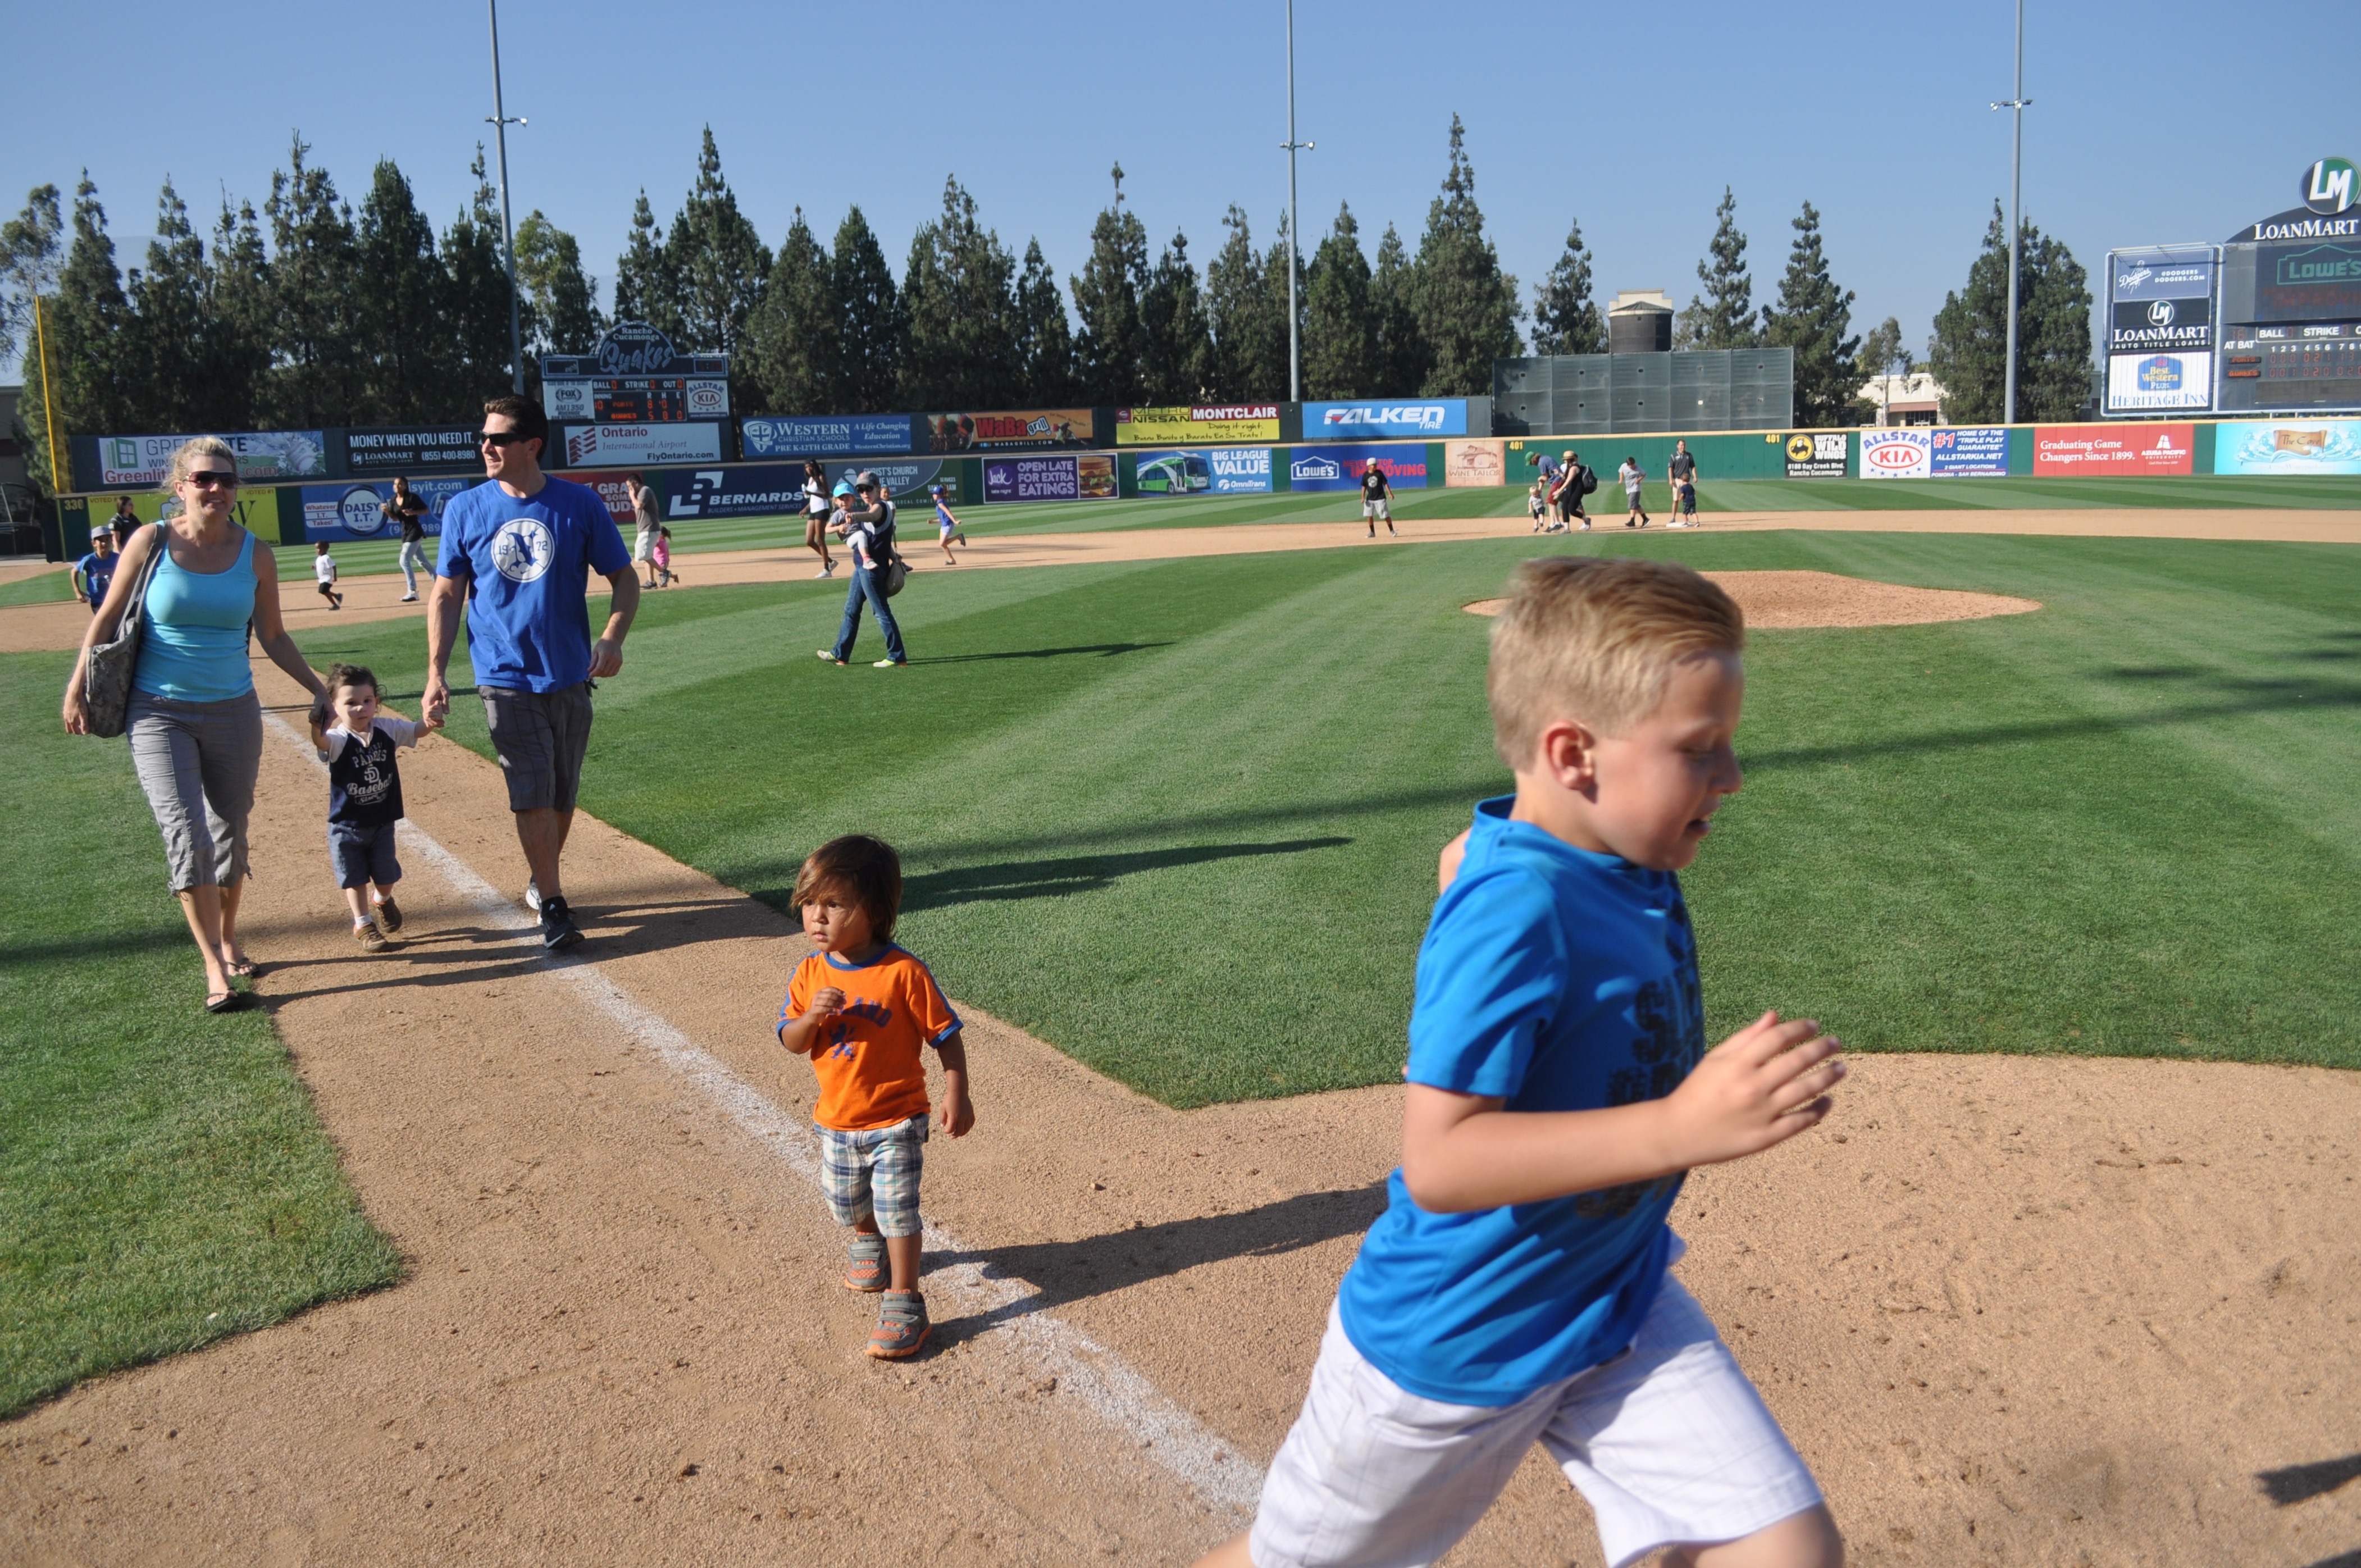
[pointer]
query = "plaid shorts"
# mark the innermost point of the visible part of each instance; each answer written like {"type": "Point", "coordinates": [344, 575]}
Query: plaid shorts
{"type": "Point", "coordinates": [875, 1172]}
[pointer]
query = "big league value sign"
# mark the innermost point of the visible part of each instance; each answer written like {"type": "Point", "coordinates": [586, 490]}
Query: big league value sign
{"type": "Point", "coordinates": [1196, 425]}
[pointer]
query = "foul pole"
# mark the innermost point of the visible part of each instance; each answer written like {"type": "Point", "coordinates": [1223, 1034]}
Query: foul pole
{"type": "Point", "coordinates": [48, 405]}
{"type": "Point", "coordinates": [1294, 246]}
{"type": "Point", "coordinates": [500, 124]}
{"type": "Point", "coordinates": [2016, 106]}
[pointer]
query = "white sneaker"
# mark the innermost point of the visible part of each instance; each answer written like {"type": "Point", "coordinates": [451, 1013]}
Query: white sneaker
{"type": "Point", "coordinates": [826, 571]}
{"type": "Point", "coordinates": [409, 598]}
{"type": "Point", "coordinates": [533, 895]}
{"type": "Point", "coordinates": [888, 664]}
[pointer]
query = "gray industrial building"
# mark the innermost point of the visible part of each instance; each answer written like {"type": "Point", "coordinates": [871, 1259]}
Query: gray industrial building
{"type": "Point", "coordinates": [1642, 385]}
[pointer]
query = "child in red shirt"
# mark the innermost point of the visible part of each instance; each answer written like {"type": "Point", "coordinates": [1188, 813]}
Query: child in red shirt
{"type": "Point", "coordinates": [863, 1010]}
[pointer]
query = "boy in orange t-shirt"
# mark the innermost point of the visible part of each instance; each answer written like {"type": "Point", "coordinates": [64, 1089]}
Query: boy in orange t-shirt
{"type": "Point", "coordinates": [864, 1010]}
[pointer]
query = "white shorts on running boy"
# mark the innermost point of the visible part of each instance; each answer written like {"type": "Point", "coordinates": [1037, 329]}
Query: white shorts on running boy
{"type": "Point", "coordinates": [1668, 1442]}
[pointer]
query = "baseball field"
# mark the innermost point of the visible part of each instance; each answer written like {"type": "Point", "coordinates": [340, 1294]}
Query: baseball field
{"type": "Point", "coordinates": [2067, 1276]}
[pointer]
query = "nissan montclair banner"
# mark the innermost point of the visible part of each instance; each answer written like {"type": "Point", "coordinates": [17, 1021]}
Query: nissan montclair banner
{"type": "Point", "coordinates": [1200, 423]}
{"type": "Point", "coordinates": [1385, 419]}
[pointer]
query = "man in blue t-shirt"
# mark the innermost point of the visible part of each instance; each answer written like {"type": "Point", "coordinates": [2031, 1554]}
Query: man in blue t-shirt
{"type": "Point", "coordinates": [519, 549]}
{"type": "Point", "coordinates": [94, 571]}
{"type": "Point", "coordinates": [1515, 1290]}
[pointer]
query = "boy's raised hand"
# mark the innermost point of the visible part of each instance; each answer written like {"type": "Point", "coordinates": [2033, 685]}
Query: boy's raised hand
{"type": "Point", "coordinates": [827, 1001]}
{"type": "Point", "coordinates": [1758, 1088]}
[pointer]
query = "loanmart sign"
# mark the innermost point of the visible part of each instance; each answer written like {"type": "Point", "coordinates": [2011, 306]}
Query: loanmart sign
{"type": "Point", "coordinates": [1376, 420]}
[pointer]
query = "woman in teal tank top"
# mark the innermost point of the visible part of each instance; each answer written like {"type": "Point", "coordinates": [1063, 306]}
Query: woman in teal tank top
{"type": "Point", "coordinates": [194, 722]}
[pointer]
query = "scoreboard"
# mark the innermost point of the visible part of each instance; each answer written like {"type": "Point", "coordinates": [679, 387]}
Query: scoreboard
{"type": "Point", "coordinates": [2291, 364]}
{"type": "Point", "coordinates": [635, 377]}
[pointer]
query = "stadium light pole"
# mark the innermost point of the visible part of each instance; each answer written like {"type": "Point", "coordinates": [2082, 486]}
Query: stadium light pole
{"type": "Point", "coordinates": [500, 123]}
{"type": "Point", "coordinates": [1294, 244]}
{"type": "Point", "coordinates": [2016, 105]}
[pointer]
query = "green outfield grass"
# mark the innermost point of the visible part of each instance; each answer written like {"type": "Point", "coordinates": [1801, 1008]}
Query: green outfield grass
{"type": "Point", "coordinates": [1727, 495]}
{"type": "Point", "coordinates": [1180, 818]}
{"type": "Point", "coordinates": [42, 587]}
{"type": "Point", "coordinates": [163, 1180]}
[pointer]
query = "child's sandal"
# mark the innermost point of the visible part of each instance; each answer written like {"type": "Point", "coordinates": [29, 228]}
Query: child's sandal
{"type": "Point", "coordinates": [902, 1326]}
{"type": "Point", "coordinates": [867, 1273]}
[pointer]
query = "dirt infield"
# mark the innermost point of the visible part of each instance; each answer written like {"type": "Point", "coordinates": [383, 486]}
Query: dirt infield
{"type": "Point", "coordinates": [1801, 600]}
{"type": "Point", "coordinates": [29, 628]}
{"type": "Point", "coordinates": [2013, 1310]}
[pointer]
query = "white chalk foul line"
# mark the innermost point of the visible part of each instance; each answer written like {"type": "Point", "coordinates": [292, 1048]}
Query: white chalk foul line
{"type": "Point", "coordinates": [1085, 1369]}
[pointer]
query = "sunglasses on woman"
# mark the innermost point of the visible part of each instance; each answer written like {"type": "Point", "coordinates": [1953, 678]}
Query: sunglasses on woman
{"type": "Point", "coordinates": [209, 478]}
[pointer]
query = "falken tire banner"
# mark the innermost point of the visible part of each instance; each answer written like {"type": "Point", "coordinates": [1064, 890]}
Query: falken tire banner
{"type": "Point", "coordinates": [1385, 419]}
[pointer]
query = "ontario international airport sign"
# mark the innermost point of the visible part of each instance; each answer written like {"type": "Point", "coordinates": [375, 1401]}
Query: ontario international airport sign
{"type": "Point", "coordinates": [635, 376]}
{"type": "Point", "coordinates": [603, 445]}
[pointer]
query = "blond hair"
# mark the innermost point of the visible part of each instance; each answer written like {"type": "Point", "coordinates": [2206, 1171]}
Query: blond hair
{"type": "Point", "coordinates": [1595, 638]}
{"type": "Point", "coordinates": [185, 456]}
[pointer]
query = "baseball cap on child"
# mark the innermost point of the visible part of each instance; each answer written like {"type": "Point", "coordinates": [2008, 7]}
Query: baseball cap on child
{"type": "Point", "coordinates": [841, 488]}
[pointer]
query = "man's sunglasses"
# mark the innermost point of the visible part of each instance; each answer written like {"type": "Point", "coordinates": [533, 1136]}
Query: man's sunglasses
{"type": "Point", "coordinates": [207, 478]}
{"type": "Point", "coordinates": [501, 438]}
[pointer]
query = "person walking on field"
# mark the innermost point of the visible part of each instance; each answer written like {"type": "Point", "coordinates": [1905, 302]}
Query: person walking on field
{"type": "Point", "coordinates": [517, 550]}
{"type": "Point", "coordinates": [1634, 484]}
{"type": "Point", "coordinates": [1377, 499]}
{"type": "Point", "coordinates": [868, 529]}
{"type": "Point", "coordinates": [946, 525]}
{"type": "Point", "coordinates": [816, 515]}
{"type": "Point", "coordinates": [643, 513]}
{"type": "Point", "coordinates": [193, 721]}
{"type": "Point", "coordinates": [407, 511]}
{"type": "Point", "coordinates": [96, 570]}
{"type": "Point", "coordinates": [1682, 471]}
{"type": "Point", "coordinates": [323, 570]}
{"type": "Point", "coordinates": [1575, 480]}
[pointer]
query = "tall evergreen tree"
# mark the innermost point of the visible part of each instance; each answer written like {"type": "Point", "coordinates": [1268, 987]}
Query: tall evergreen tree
{"type": "Point", "coordinates": [1340, 327]}
{"type": "Point", "coordinates": [1466, 306]}
{"type": "Point", "coordinates": [719, 260]}
{"type": "Point", "coordinates": [645, 286]}
{"type": "Point", "coordinates": [1566, 320]}
{"type": "Point", "coordinates": [1969, 353]}
{"type": "Point", "coordinates": [169, 320]}
{"type": "Point", "coordinates": [1403, 355]}
{"type": "Point", "coordinates": [1723, 316]}
{"type": "Point", "coordinates": [960, 293]}
{"type": "Point", "coordinates": [402, 289]}
{"type": "Point", "coordinates": [1811, 317]}
{"type": "Point", "coordinates": [1178, 344]}
{"type": "Point", "coordinates": [238, 350]}
{"type": "Point", "coordinates": [874, 323]}
{"type": "Point", "coordinates": [561, 308]}
{"type": "Point", "coordinates": [320, 377]}
{"type": "Point", "coordinates": [476, 309]}
{"type": "Point", "coordinates": [89, 329]}
{"type": "Point", "coordinates": [1110, 351]}
{"type": "Point", "coordinates": [32, 249]}
{"type": "Point", "coordinates": [794, 341]}
{"type": "Point", "coordinates": [1249, 325]}
{"type": "Point", "coordinates": [1045, 338]}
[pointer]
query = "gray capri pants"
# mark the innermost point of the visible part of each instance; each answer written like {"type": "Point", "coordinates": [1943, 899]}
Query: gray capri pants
{"type": "Point", "coordinates": [197, 761]}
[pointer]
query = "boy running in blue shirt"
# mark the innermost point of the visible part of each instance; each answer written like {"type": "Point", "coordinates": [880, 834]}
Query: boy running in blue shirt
{"type": "Point", "coordinates": [946, 524]}
{"type": "Point", "coordinates": [1516, 1289]}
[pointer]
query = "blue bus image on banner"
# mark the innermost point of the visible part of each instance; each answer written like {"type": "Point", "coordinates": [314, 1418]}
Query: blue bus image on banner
{"type": "Point", "coordinates": [1385, 418]}
{"type": "Point", "coordinates": [340, 514]}
{"type": "Point", "coordinates": [1340, 467]}
{"type": "Point", "coordinates": [1220, 471]}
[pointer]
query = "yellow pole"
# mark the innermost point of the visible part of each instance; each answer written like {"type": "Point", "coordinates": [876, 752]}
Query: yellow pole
{"type": "Point", "coordinates": [49, 404]}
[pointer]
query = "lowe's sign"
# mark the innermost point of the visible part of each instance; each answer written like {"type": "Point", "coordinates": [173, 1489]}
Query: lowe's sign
{"type": "Point", "coordinates": [1386, 420]}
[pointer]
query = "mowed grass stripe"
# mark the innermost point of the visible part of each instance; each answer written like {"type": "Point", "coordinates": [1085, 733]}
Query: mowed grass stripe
{"type": "Point", "coordinates": [1180, 818]}
{"type": "Point", "coordinates": [163, 1180]}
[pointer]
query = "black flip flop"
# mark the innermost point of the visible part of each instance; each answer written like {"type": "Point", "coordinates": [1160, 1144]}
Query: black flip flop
{"type": "Point", "coordinates": [228, 1002]}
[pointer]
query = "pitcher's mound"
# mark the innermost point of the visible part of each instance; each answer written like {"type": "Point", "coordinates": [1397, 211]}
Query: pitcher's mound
{"type": "Point", "coordinates": [1788, 599]}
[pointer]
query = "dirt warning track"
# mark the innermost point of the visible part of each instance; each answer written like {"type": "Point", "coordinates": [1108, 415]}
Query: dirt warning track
{"type": "Point", "coordinates": [2013, 1310]}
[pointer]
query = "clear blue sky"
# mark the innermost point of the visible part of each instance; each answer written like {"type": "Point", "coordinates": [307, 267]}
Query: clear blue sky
{"type": "Point", "coordinates": [2156, 121]}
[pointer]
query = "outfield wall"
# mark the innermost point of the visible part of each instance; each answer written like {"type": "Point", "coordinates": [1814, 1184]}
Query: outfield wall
{"type": "Point", "coordinates": [345, 509]}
